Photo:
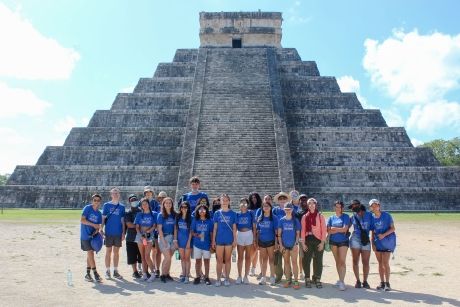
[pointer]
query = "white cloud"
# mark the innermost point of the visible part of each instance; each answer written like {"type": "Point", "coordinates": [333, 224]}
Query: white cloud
{"type": "Point", "coordinates": [293, 14]}
{"type": "Point", "coordinates": [416, 142]}
{"type": "Point", "coordinates": [63, 127]}
{"type": "Point", "coordinates": [392, 117]}
{"type": "Point", "coordinates": [25, 53]}
{"type": "Point", "coordinates": [348, 84]}
{"type": "Point", "coordinates": [414, 68]}
{"type": "Point", "coordinates": [16, 150]}
{"type": "Point", "coordinates": [17, 101]}
{"type": "Point", "coordinates": [430, 116]}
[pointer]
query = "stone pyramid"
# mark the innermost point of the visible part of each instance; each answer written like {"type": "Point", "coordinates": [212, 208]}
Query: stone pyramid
{"type": "Point", "coordinates": [245, 115]}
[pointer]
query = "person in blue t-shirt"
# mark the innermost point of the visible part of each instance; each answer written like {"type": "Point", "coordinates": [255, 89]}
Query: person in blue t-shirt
{"type": "Point", "coordinates": [155, 206]}
{"type": "Point", "coordinates": [245, 239]}
{"type": "Point", "coordinates": [255, 203]}
{"type": "Point", "coordinates": [145, 222]}
{"type": "Point", "coordinates": [202, 229]}
{"type": "Point", "coordinates": [281, 199]}
{"type": "Point", "coordinates": [166, 233]}
{"type": "Point", "coordinates": [194, 195]}
{"type": "Point", "coordinates": [383, 229]}
{"type": "Point", "coordinates": [337, 228]}
{"type": "Point", "coordinates": [360, 244]}
{"type": "Point", "coordinates": [184, 238]}
{"type": "Point", "coordinates": [91, 220]}
{"type": "Point", "coordinates": [288, 233]}
{"type": "Point", "coordinates": [224, 238]}
{"type": "Point", "coordinates": [266, 230]}
{"type": "Point", "coordinates": [113, 223]}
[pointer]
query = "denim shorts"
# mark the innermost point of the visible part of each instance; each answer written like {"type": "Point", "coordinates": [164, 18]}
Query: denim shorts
{"type": "Point", "coordinates": [355, 243]}
{"type": "Point", "coordinates": [169, 243]}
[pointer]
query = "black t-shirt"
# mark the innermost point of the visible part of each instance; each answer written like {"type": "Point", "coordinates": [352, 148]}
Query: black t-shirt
{"type": "Point", "coordinates": [299, 214]}
{"type": "Point", "coordinates": [129, 217]}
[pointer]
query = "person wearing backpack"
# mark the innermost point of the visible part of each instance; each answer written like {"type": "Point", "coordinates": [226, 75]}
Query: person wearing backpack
{"type": "Point", "coordinates": [313, 238]}
{"type": "Point", "coordinates": [360, 243]}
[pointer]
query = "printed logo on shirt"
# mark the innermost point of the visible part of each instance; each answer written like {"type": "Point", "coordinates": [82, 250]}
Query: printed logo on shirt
{"type": "Point", "coordinates": [224, 218]}
{"type": "Point", "coordinates": [115, 212]}
{"type": "Point", "coordinates": [182, 225]}
{"type": "Point", "coordinates": [92, 218]}
{"type": "Point", "coordinates": [244, 220]}
{"type": "Point", "coordinates": [265, 224]}
{"type": "Point", "coordinates": [378, 225]}
{"type": "Point", "coordinates": [202, 227]}
{"type": "Point", "coordinates": [288, 226]}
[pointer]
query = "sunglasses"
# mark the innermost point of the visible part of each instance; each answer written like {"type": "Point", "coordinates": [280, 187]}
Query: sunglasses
{"type": "Point", "coordinates": [96, 200]}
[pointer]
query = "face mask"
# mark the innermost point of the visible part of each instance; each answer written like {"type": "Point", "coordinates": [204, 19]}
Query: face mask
{"type": "Point", "coordinates": [133, 204]}
{"type": "Point", "coordinates": [194, 190]}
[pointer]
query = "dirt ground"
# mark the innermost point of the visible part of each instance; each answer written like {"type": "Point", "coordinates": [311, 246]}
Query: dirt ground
{"type": "Point", "coordinates": [35, 257]}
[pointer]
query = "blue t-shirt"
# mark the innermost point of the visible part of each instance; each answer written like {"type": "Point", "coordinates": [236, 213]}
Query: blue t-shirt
{"type": "Point", "coordinates": [154, 205]}
{"type": "Point", "coordinates": [202, 226]}
{"type": "Point", "coordinates": [338, 222]}
{"type": "Point", "coordinates": [193, 198]}
{"type": "Point", "coordinates": [183, 232]}
{"type": "Point", "coordinates": [258, 213]}
{"type": "Point", "coordinates": [245, 220]}
{"type": "Point", "coordinates": [114, 225]}
{"type": "Point", "coordinates": [93, 216]}
{"type": "Point", "coordinates": [167, 224]}
{"type": "Point", "coordinates": [278, 212]}
{"type": "Point", "coordinates": [225, 222]}
{"type": "Point", "coordinates": [366, 221]}
{"type": "Point", "coordinates": [146, 219]}
{"type": "Point", "coordinates": [383, 223]}
{"type": "Point", "coordinates": [288, 230]}
{"type": "Point", "coordinates": [267, 228]}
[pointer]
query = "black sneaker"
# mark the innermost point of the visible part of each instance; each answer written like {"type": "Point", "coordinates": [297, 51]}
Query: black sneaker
{"type": "Point", "coordinates": [207, 281]}
{"type": "Point", "coordinates": [97, 277]}
{"type": "Point", "coordinates": [366, 285]}
{"type": "Point", "coordinates": [197, 281]}
{"type": "Point", "coordinates": [117, 275]}
{"type": "Point", "coordinates": [136, 275]}
{"type": "Point", "coordinates": [168, 277]}
{"type": "Point", "coordinates": [387, 286]}
{"type": "Point", "coordinates": [358, 284]}
{"type": "Point", "coordinates": [163, 278]}
{"type": "Point", "coordinates": [157, 274]}
{"type": "Point", "coordinates": [307, 283]}
{"type": "Point", "coordinates": [149, 275]}
{"type": "Point", "coordinates": [89, 278]}
{"type": "Point", "coordinates": [381, 286]}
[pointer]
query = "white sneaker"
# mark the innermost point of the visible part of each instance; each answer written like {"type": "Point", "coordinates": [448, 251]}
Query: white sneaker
{"type": "Point", "coordinates": [302, 277]}
{"type": "Point", "coordinates": [262, 281]}
{"type": "Point", "coordinates": [342, 286]}
{"type": "Point", "coordinates": [152, 278]}
{"type": "Point", "coordinates": [272, 281]}
{"type": "Point", "coordinates": [218, 283]}
{"type": "Point", "coordinates": [107, 275]}
{"type": "Point", "coordinates": [145, 278]}
{"type": "Point", "coordinates": [245, 280]}
{"type": "Point", "coordinates": [226, 283]}
{"type": "Point", "coordinates": [337, 283]}
{"type": "Point", "coordinates": [252, 272]}
{"type": "Point", "coordinates": [238, 281]}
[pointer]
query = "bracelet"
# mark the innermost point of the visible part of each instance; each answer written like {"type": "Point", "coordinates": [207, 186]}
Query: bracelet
{"type": "Point", "coordinates": [174, 240]}
{"type": "Point", "coordinates": [300, 240]}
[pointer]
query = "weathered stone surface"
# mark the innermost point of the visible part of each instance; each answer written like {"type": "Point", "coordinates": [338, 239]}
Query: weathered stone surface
{"type": "Point", "coordinates": [243, 119]}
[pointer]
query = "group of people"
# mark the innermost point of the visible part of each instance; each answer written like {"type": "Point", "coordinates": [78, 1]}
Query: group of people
{"type": "Point", "coordinates": [285, 233]}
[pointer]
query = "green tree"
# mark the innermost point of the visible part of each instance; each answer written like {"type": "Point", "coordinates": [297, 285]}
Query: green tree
{"type": "Point", "coordinates": [3, 179]}
{"type": "Point", "coordinates": [447, 152]}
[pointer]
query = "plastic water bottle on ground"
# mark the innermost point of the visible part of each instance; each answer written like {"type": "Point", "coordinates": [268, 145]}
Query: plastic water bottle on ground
{"type": "Point", "coordinates": [69, 278]}
{"type": "Point", "coordinates": [233, 255]}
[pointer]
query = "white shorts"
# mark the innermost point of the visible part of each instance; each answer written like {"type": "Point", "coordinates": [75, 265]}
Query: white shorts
{"type": "Point", "coordinates": [201, 253]}
{"type": "Point", "coordinates": [244, 238]}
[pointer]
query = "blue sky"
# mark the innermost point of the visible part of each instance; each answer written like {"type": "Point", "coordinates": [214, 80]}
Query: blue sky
{"type": "Point", "coordinates": [62, 60]}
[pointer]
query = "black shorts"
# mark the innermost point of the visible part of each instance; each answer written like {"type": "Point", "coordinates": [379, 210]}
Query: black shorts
{"type": "Point", "coordinates": [86, 245]}
{"type": "Point", "coordinates": [266, 244]}
{"type": "Point", "coordinates": [112, 241]}
{"type": "Point", "coordinates": [339, 244]}
{"type": "Point", "coordinates": [383, 250]}
{"type": "Point", "coordinates": [133, 254]}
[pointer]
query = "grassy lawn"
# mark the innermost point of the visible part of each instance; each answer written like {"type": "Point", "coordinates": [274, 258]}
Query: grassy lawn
{"type": "Point", "coordinates": [45, 215]}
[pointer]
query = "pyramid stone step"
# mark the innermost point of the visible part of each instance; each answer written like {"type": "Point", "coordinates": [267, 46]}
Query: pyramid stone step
{"type": "Point", "coordinates": [299, 68]}
{"type": "Point", "coordinates": [336, 118]}
{"type": "Point", "coordinates": [301, 85]}
{"type": "Point", "coordinates": [114, 155]}
{"type": "Point", "coordinates": [123, 136]}
{"type": "Point", "coordinates": [296, 102]}
{"type": "Point", "coordinates": [151, 101]}
{"type": "Point", "coordinates": [129, 118]}
{"type": "Point", "coordinates": [186, 55]}
{"type": "Point", "coordinates": [94, 175]}
{"type": "Point", "coordinates": [175, 70]}
{"type": "Point", "coordinates": [164, 85]}
{"type": "Point", "coordinates": [287, 55]}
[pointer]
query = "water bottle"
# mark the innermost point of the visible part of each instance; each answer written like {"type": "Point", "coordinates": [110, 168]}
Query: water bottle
{"type": "Point", "coordinates": [176, 253]}
{"type": "Point", "coordinates": [233, 255]}
{"type": "Point", "coordinates": [202, 236]}
{"type": "Point", "coordinates": [69, 278]}
{"type": "Point", "coordinates": [144, 241]}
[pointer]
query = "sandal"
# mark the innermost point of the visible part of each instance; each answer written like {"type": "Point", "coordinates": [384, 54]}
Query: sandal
{"type": "Point", "coordinates": [287, 284]}
{"type": "Point", "coordinates": [307, 283]}
{"type": "Point", "coordinates": [296, 285]}
{"type": "Point", "coordinates": [318, 283]}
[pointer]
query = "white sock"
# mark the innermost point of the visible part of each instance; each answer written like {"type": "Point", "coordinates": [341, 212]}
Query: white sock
{"type": "Point", "coordinates": [115, 268]}
{"type": "Point", "coordinates": [107, 269]}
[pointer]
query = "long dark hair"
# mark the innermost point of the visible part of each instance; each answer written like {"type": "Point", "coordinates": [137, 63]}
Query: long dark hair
{"type": "Point", "coordinates": [258, 203]}
{"type": "Point", "coordinates": [261, 217]}
{"type": "Point", "coordinates": [197, 214]}
{"type": "Point", "coordinates": [188, 216]}
{"type": "Point", "coordinates": [163, 209]}
{"type": "Point", "coordinates": [216, 204]}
